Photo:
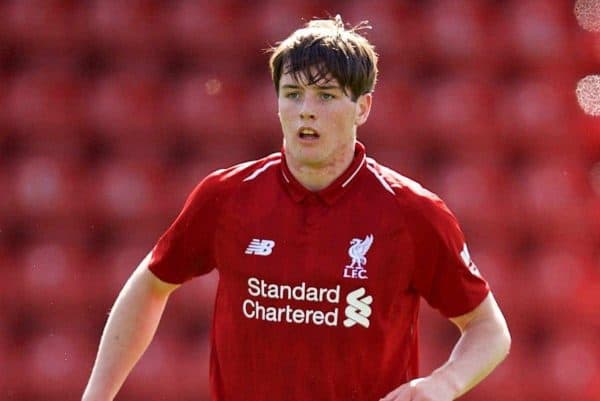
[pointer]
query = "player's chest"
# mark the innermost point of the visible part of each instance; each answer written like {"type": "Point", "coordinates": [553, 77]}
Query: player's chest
{"type": "Point", "coordinates": [313, 243]}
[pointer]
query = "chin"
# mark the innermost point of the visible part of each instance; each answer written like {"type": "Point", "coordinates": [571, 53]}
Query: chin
{"type": "Point", "coordinates": [310, 155]}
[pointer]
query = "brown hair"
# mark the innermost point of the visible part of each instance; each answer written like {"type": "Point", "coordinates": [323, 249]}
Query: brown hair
{"type": "Point", "coordinates": [324, 49]}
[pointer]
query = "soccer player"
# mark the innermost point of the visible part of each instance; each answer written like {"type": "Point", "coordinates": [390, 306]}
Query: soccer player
{"type": "Point", "coordinates": [323, 255]}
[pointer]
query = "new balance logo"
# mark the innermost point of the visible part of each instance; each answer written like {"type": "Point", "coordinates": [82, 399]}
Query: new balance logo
{"type": "Point", "coordinates": [358, 309]}
{"type": "Point", "coordinates": [260, 247]}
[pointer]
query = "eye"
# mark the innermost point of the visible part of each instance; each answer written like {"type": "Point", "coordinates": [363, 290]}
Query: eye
{"type": "Point", "coordinates": [292, 95]}
{"type": "Point", "coordinates": [327, 96]}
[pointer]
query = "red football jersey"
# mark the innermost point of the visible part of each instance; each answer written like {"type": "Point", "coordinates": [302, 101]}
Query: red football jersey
{"type": "Point", "coordinates": [318, 292]}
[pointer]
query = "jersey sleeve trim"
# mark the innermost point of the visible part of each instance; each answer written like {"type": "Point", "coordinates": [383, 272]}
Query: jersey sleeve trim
{"type": "Point", "coordinates": [381, 180]}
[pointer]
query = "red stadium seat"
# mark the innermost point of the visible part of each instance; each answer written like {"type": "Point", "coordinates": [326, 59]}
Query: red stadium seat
{"type": "Point", "coordinates": [559, 270]}
{"type": "Point", "coordinates": [44, 103]}
{"type": "Point", "coordinates": [277, 19]}
{"type": "Point", "coordinates": [54, 276]}
{"type": "Point", "coordinates": [123, 190]}
{"type": "Point", "coordinates": [131, 29]}
{"type": "Point", "coordinates": [586, 132]}
{"type": "Point", "coordinates": [536, 32]}
{"type": "Point", "coordinates": [158, 373]}
{"type": "Point", "coordinates": [456, 110]}
{"type": "Point", "coordinates": [206, 107]}
{"type": "Point", "coordinates": [509, 381]}
{"type": "Point", "coordinates": [475, 99]}
{"type": "Point", "coordinates": [117, 264]}
{"type": "Point", "coordinates": [503, 273]}
{"type": "Point", "coordinates": [586, 301]}
{"type": "Point", "coordinates": [457, 32]}
{"type": "Point", "coordinates": [395, 30]}
{"type": "Point", "coordinates": [13, 366]}
{"type": "Point", "coordinates": [570, 362]}
{"type": "Point", "coordinates": [126, 104]}
{"type": "Point", "coordinates": [58, 364]}
{"type": "Point", "coordinates": [259, 113]}
{"type": "Point", "coordinates": [436, 335]}
{"type": "Point", "coordinates": [11, 294]}
{"type": "Point", "coordinates": [196, 300]}
{"type": "Point", "coordinates": [392, 119]}
{"type": "Point", "coordinates": [532, 113]}
{"type": "Point", "coordinates": [195, 358]}
{"type": "Point", "coordinates": [183, 180]}
{"type": "Point", "coordinates": [471, 191]}
{"type": "Point", "coordinates": [108, 270]}
{"type": "Point", "coordinates": [193, 27]}
{"type": "Point", "coordinates": [592, 392]}
{"type": "Point", "coordinates": [190, 308]}
{"type": "Point", "coordinates": [45, 188]}
{"type": "Point", "coordinates": [551, 195]}
{"type": "Point", "coordinates": [8, 200]}
{"type": "Point", "coordinates": [45, 27]}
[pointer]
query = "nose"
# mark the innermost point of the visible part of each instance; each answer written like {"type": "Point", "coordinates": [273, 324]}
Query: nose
{"type": "Point", "coordinates": [306, 115]}
{"type": "Point", "coordinates": [307, 110]}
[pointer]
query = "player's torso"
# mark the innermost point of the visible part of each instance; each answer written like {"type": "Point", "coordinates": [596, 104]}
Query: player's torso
{"type": "Point", "coordinates": [314, 286]}
{"type": "Point", "coordinates": [312, 255]}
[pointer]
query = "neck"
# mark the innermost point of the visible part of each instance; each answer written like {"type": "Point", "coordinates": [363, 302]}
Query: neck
{"type": "Point", "coordinates": [316, 177]}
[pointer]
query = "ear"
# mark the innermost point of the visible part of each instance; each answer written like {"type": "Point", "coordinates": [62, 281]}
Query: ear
{"type": "Point", "coordinates": [363, 108]}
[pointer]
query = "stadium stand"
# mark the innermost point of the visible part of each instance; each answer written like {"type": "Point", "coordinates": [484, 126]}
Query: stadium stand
{"type": "Point", "coordinates": [112, 111]}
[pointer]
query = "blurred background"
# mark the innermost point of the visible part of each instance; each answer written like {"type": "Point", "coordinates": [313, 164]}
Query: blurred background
{"type": "Point", "coordinates": [111, 111]}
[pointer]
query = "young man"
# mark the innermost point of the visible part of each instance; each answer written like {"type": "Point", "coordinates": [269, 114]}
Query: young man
{"type": "Point", "coordinates": [322, 253]}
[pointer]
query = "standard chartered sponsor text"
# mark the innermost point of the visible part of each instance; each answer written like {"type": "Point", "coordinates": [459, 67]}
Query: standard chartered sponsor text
{"type": "Point", "coordinates": [301, 292]}
{"type": "Point", "coordinates": [255, 309]}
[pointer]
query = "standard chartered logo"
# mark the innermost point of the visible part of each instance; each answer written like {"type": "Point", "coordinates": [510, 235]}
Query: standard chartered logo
{"type": "Point", "coordinates": [358, 309]}
{"type": "Point", "coordinates": [325, 312]}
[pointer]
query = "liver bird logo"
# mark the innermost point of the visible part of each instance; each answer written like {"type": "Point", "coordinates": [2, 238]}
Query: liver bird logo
{"type": "Point", "coordinates": [358, 250]}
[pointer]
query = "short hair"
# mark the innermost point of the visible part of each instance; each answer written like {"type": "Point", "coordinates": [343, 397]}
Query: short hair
{"type": "Point", "coordinates": [323, 50]}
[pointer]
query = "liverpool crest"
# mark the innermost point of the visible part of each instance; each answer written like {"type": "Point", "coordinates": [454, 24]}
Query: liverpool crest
{"type": "Point", "coordinates": [357, 252]}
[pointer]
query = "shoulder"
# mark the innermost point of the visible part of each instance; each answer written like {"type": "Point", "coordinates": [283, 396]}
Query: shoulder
{"type": "Point", "coordinates": [417, 203]}
{"type": "Point", "coordinates": [220, 183]}
{"type": "Point", "coordinates": [235, 175]}
{"type": "Point", "coordinates": [407, 191]}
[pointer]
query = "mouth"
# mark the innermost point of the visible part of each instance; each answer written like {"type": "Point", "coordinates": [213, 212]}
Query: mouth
{"type": "Point", "coordinates": [308, 134]}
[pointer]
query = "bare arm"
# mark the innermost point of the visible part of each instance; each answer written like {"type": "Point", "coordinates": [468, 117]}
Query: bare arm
{"type": "Point", "coordinates": [130, 328]}
{"type": "Point", "coordinates": [484, 343]}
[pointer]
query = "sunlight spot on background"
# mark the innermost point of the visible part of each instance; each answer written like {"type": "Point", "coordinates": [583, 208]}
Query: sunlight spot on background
{"type": "Point", "coordinates": [587, 13]}
{"type": "Point", "coordinates": [588, 94]}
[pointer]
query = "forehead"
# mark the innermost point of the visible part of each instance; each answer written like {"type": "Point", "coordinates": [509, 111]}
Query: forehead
{"type": "Point", "coordinates": [302, 79]}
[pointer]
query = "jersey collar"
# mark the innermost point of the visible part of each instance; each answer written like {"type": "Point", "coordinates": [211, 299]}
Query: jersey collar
{"type": "Point", "coordinates": [335, 190]}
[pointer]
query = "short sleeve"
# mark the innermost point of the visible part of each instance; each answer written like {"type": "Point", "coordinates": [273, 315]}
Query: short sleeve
{"type": "Point", "coordinates": [186, 249]}
{"type": "Point", "coordinates": [444, 274]}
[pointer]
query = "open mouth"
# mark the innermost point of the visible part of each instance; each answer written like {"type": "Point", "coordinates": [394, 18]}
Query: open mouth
{"type": "Point", "coordinates": [308, 133]}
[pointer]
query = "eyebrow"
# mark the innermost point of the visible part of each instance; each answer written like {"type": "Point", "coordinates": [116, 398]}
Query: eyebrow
{"type": "Point", "coordinates": [328, 86]}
